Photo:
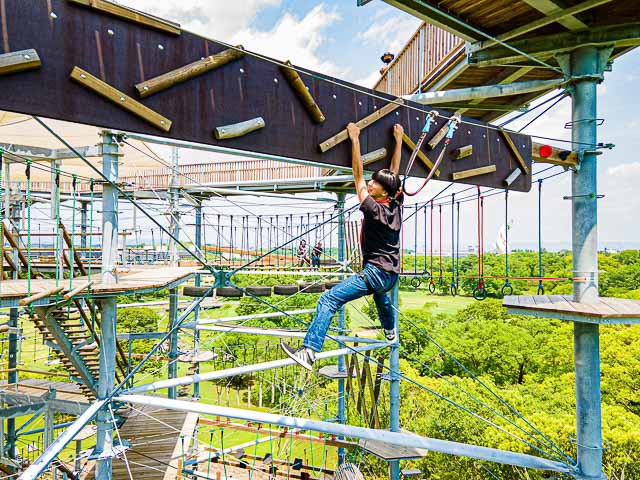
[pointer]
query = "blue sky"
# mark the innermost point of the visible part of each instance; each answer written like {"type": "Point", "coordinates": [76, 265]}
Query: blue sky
{"type": "Point", "coordinates": [337, 38]}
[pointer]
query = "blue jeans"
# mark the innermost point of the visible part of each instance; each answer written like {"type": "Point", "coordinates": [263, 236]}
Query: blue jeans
{"type": "Point", "coordinates": [347, 290]}
{"type": "Point", "coordinates": [315, 261]}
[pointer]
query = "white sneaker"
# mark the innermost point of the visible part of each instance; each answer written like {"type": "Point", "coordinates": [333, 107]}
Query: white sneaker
{"type": "Point", "coordinates": [303, 356]}
{"type": "Point", "coordinates": [390, 335]}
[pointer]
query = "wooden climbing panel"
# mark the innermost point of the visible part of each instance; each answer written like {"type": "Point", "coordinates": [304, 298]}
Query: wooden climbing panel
{"type": "Point", "coordinates": [121, 49]}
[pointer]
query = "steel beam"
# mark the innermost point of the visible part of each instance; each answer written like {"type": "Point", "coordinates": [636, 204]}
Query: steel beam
{"type": "Point", "coordinates": [104, 438]}
{"type": "Point", "coordinates": [489, 91]}
{"type": "Point", "coordinates": [258, 367]}
{"type": "Point", "coordinates": [394, 384]}
{"type": "Point", "coordinates": [625, 35]}
{"type": "Point", "coordinates": [342, 419]}
{"type": "Point", "coordinates": [21, 410]}
{"type": "Point", "coordinates": [394, 438]}
{"type": "Point", "coordinates": [42, 462]}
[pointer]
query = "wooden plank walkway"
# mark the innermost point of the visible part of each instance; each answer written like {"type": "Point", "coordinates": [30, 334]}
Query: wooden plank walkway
{"type": "Point", "coordinates": [155, 444]}
{"type": "Point", "coordinates": [138, 278]}
{"type": "Point", "coordinates": [604, 308]}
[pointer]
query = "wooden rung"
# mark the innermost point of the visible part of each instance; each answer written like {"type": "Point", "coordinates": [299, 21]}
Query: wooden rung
{"type": "Point", "coordinates": [515, 151]}
{"type": "Point", "coordinates": [131, 15]}
{"type": "Point", "coordinates": [19, 61]}
{"type": "Point", "coordinates": [558, 156]}
{"type": "Point", "coordinates": [421, 155]}
{"type": "Point", "coordinates": [239, 129]}
{"type": "Point", "coordinates": [124, 101]}
{"type": "Point", "coordinates": [474, 172]}
{"type": "Point", "coordinates": [40, 295]}
{"type": "Point", "coordinates": [187, 72]}
{"type": "Point", "coordinates": [462, 152]}
{"type": "Point", "coordinates": [340, 137]}
{"type": "Point", "coordinates": [437, 138]}
{"type": "Point", "coordinates": [78, 289]}
{"type": "Point", "coordinates": [302, 92]}
{"type": "Point", "coordinates": [375, 156]}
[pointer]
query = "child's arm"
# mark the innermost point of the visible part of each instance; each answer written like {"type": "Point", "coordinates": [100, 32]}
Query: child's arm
{"type": "Point", "coordinates": [356, 162]}
{"type": "Point", "coordinates": [398, 131]}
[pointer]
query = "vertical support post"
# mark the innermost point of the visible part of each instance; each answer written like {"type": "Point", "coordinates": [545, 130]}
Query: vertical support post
{"type": "Point", "coordinates": [83, 225]}
{"type": "Point", "coordinates": [341, 320]}
{"type": "Point", "coordinates": [421, 55]}
{"type": "Point", "coordinates": [13, 211]}
{"type": "Point", "coordinates": [585, 63]}
{"type": "Point", "coordinates": [394, 383]}
{"type": "Point", "coordinates": [196, 313]}
{"type": "Point", "coordinates": [173, 209]}
{"type": "Point", "coordinates": [173, 349]}
{"type": "Point", "coordinates": [104, 439]}
{"type": "Point", "coordinates": [12, 378]}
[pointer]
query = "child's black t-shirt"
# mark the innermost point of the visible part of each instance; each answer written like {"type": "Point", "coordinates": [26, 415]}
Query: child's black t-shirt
{"type": "Point", "coordinates": [381, 233]}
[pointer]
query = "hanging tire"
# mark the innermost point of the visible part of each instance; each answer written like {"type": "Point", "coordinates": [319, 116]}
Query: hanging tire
{"type": "Point", "coordinates": [540, 290]}
{"type": "Point", "coordinates": [432, 287]}
{"type": "Point", "coordinates": [454, 290]}
{"type": "Point", "coordinates": [416, 282]}
{"type": "Point", "coordinates": [259, 291]}
{"type": "Point", "coordinates": [197, 292]}
{"type": "Point", "coordinates": [507, 289]}
{"type": "Point", "coordinates": [312, 287]}
{"type": "Point", "coordinates": [480, 293]}
{"type": "Point", "coordinates": [228, 292]}
{"type": "Point", "coordinates": [285, 289]}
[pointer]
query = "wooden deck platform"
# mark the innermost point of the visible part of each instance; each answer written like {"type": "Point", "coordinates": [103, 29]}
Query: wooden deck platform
{"type": "Point", "coordinates": [136, 280]}
{"type": "Point", "coordinates": [156, 446]}
{"type": "Point", "coordinates": [606, 310]}
{"type": "Point", "coordinates": [69, 398]}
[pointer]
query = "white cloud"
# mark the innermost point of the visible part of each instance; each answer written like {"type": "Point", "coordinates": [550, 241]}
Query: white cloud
{"type": "Point", "coordinates": [391, 33]}
{"type": "Point", "coordinates": [368, 81]}
{"type": "Point", "coordinates": [211, 18]}
{"type": "Point", "coordinates": [295, 39]}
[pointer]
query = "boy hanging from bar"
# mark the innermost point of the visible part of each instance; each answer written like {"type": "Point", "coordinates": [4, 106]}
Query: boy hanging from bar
{"type": "Point", "coordinates": [381, 205]}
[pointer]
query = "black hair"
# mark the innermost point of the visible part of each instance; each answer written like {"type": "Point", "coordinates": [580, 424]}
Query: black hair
{"type": "Point", "coordinates": [390, 181]}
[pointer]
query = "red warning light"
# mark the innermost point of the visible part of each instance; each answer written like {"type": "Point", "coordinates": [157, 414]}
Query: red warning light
{"type": "Point", "coordinates": [546, 151]}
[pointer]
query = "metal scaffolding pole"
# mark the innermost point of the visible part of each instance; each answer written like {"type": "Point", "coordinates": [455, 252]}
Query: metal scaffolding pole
{"type": "Point", "coordinates": [173, 350]}
{"type": "Point", "coordinates": [586, 64]}
{"type": "Point", "coordinates": [341, 321]}
{"type": "Point", "coordinates": [196, 313]}
{"type": "Point", "coordinates": [394, 383]}
{"type": "Point", "coordinates": [351, 431]}
{"type": "Point", "coordinates": [104, 439]}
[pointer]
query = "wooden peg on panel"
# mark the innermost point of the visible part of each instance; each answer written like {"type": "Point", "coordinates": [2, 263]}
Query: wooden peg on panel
{"type": "Point", "coordinates": [421, 155]}
{"type": "Point", "coordinates": [131, 15]}
{"type": "Point", "coordinates": [340, 137]}
{"type": "Point", "coordinates": [124, 101]}
{"type": "Point", "coordinates": [474, 172]}
{"type": "Point", "coordinates": [298, 86]}
{"type": "Point", "coordinates": [239, 129]}
{"type": "Point", "coordinates": [20, 61]}
{"type": "Point", "coordinates": [462, 152]}
{"type": "Point", "coordinates": [437, 138]}
{"type": "Point", "coordinates": [515, 151]}
{"type": "Point", "coordinates": [187, 72]}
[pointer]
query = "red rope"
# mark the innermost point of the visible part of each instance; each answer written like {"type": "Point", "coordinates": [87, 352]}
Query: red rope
{"type": "Point", "coordinates": [431, 241]}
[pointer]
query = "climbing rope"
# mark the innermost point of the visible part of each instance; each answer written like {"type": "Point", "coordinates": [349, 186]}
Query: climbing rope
{"type": "Point", "coordinates": [540, 290]}
{"type": "Point", "coordinates": [453, 287]}
{"type": "Point", "coordinates": [440, 279]}
{"type": "Point", "coordinates": [507, 288]}
{"type": "Point", "coordinates": [432, 285]}
{"type": "Point", "coordinates": [480, 292]}
{"type": "Point", "coordinates": [452, 125]}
